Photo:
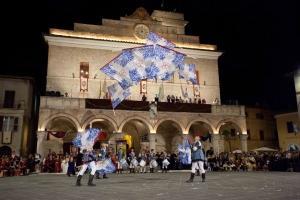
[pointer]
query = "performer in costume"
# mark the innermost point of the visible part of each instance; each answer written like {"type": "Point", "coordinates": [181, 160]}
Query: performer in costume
{"type": "Point", "coordinates": [198, 158]}
{"type": "Point", "coordinates": [152, 161]}
{"type": "Point", "coordinates": [120, 160]}
{"type": "Point", "coordinates": [132, 161]}
{"type": "Point", "coordinates": [89, 159]}
{"type": "Point", "coordinates": [165, 163]}
{"type": "Point", "coordinates": [142, 162]}
{"type": "Point", "coordinates": [102, 156]}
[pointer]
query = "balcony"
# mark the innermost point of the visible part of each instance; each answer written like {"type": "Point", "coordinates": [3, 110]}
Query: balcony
{"type": "Point", "coordinates": [105, 104]}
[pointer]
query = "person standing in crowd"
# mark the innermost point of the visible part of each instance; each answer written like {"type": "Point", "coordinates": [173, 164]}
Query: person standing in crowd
{"type": "Point", "coordinates": [197, 159]}
{"type": "Point", "coordinates": [71, 166]}
{"type": "Point", "coordinates": [120, 158]}
{"type": "Point", "coordinates": [89, 159]}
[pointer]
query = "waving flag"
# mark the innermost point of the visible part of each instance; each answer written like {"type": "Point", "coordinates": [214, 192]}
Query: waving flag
{"type": "Point", "coordinates": [167, 60]}
{"type": "Point", "coordinates": [187, 72]}
{"type": "Point", "coordinates": [154, 39]}
{"type": "Point", "coordinates": [118, 94]}
{"type": "Point", "coordinates": [87, 139]}
{"type": "Point", "coordinates": [184, 152]}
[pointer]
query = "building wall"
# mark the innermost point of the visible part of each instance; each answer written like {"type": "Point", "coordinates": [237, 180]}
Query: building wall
{"type": "Point", "coordinates": [285, 138]}
{"type": "Point", "coordinates": [64, 61]}
{"type": "Point", "coordinates": [22, 110]}
{"type": "Point", "coordinates": [267, 124]}
{"type": "Point", "coordinates": [297, 88]}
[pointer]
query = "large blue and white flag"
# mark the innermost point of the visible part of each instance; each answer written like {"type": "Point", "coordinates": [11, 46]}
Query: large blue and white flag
{"type": "Point", "coordinates": [87, 139]}
{"type": "Point", "coordinates": [118, 70]}
{"type": "Point", "coordinates": [167, 61]}
{"type": "Point", "coordinates": [118, 94]}
{"type": "Point", "coordinates": [188, 72]}
{"type": "Point", "coordinates": [154, 39]}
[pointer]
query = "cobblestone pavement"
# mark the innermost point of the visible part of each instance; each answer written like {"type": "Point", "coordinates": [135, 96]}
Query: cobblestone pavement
{"type": "Point", "coordinates": [219, 185]}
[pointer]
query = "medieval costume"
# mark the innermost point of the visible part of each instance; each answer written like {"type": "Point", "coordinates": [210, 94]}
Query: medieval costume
{"type": "Point", "coordinates": [198, 158]}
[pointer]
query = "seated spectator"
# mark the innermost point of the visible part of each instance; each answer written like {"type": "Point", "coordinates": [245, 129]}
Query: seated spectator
{"type": "Point", "coordinates": [144, 98]}
{"type": "Point", "coordinates": [203, 101]}
{"type": "Point", "coordinates": [156, 98]}
{"type": "Point", "coordinates": [173, 98]}
{"type": "Point", "coordinates": [169, 98]}
{"type": "Point", "coordinates": [199, 101]}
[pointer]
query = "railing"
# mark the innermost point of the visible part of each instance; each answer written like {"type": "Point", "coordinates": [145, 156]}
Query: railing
{"type": "Point", "coordinates": [144, 106]}
{"type": "Point", "coordinates": [80, 103]}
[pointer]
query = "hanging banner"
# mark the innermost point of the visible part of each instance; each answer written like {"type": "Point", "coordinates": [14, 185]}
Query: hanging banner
{"type": "Point", "coordinates": [197, 90]}
{"type": "Point", "coordinates": [83, 84]}
{"type": "Point", "coordinates": [143, 87]}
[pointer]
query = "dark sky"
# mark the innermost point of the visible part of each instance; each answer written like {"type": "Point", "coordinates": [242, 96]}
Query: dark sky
{"type": "Point", "coordinates": [260, 40]}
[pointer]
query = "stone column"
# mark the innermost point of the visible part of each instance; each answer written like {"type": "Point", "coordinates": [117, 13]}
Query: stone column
{"type": "Point", "coordinates": [152, 142]}
{"type": "Point", "coordinates": [40, 138]}
{"type": "Point", "coordinates": [221, 143]}
{"type": "Point", "coordinates": [244, 146]}
{"type": "Point", "coordinates": [215, 141]}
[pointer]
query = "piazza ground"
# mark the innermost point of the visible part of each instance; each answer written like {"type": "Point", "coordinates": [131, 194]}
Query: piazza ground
{"type": "Point", "coordinates": [223, 185]}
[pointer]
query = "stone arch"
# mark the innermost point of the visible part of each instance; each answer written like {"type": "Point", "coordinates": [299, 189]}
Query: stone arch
{"type": "Point", "coordinates": [149, 126]}
{"type": "Point", "coordinates": [168, 119]}
{"type": "Point", "coordinates": [100, 117]}
{"type": "Point", "coordinates": [231, 132]}
{"type": "Point", "coordinates": [211, 127]}
{"type": "Point", "coordinates": [169, 133]}
{"type": "Point", "coordinates": [229, 120]}
{"type": "Point", "coordinates": [62, 115]}
{"type": "Point", "coordinates": [201, 127]}
{"type": "Point", "coordinates": [135, 130]}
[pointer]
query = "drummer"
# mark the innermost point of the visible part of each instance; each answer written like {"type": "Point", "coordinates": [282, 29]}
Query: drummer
{"type": "Point", "coordinates": [142, 161]}
{"type": "Point", "coordinates": [152, 161]}
{"type": "Point", "coordinates": [120, 158]}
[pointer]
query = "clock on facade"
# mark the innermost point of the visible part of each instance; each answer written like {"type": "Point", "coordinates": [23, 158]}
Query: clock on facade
{"type": "Point", "coordinates": [141, 31]}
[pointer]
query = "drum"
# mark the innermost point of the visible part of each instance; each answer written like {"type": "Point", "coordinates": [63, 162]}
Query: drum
{"type": "Point", "coordinates": [153, 163]}
{"type": "Point", "coordinates": [166, 162]}
{"type": "Point", "coordinates": [134, 162]}
{"type": "Point", "coordinates": [142, 163]}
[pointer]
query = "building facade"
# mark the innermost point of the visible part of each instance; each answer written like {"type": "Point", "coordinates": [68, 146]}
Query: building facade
{"type": "Point", "coordinates": [261, 128]}
{"type": "Point", "coordinates": [75, 57]}
{"type": "Point", "coordinates": [16, 97]}
{"type": "Point", "coordinates": [288, 124]}
{"type": "Point", "coordinates": [288, 131]}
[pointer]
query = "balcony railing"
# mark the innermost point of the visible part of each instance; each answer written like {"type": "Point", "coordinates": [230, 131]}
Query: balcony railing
{"type": "Point", "coordinates": [80, 103]}
{"type": "Point", "coordinates": [144, 106]}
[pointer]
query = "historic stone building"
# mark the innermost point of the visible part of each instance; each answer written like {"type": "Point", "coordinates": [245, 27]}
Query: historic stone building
{"type": "Point", "coordinates": [75, 57]}
{"type": "Point", "coordinates": [16, 102]}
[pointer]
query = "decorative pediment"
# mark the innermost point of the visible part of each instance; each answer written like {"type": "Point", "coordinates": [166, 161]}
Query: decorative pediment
{"type": "Point", "coordinates": [140, 13]}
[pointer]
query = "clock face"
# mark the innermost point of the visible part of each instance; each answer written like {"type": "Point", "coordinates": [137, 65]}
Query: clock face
{"type": "Point", "coordinates": [141, 31]}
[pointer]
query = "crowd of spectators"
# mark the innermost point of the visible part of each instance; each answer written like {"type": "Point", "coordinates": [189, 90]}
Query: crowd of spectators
{"type": "Point", "coordinates": [14, 165]}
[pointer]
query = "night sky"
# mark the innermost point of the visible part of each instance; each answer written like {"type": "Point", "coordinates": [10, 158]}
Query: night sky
{"type": "Point", "coordinates": [260, 40]}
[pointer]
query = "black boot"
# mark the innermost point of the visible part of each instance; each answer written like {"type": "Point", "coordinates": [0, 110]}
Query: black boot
{"type": "Point", "coordinates": [191, 178]}
{"type": "Point", "coordinates": [203, 177]}
{"type": "Point", "coordinates": [198, 172]}
{"type": "Point", "coordinates": [98, 176]}
{"type": "Point", "coordinates": [78, 180]}
{"type": "Point", "coordinates": [90, 183]}
{"type": "Point", "coordinates": [104, 176]}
